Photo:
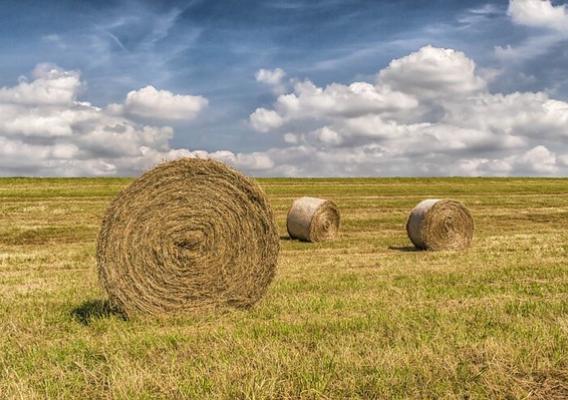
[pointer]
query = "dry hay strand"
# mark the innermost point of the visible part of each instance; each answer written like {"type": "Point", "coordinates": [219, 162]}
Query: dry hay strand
{"type": "Point", "coordinates": [187, 235]}
{"type": "Point", "coordinates": [440, 225]}
{"type": "Point", "coordinates": [313, 219]}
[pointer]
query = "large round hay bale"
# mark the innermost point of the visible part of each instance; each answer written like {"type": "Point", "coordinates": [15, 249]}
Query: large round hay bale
{"type": "Point", "coordinates": [313, 219]}
{"type": "Point", "coordinates": [186, 235]}
{"type": "Point", "coordinates": [440, 225]}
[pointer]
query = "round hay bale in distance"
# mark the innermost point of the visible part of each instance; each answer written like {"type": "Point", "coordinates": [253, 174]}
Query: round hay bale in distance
{"type": "Point", "coordinates": [313, 219]}
{"type": "Point", "coordinates": [440, 225]}
{"type": "Point", "coordinates": [188, 234]}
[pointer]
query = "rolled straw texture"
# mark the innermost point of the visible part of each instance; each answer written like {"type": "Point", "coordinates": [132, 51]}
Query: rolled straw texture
{"type": "Point", "coordinates": [313, 219]}
{"type": "Point", "coordinates": [440, 225]}
{"type": "Point", "coordinates": [188, 234]}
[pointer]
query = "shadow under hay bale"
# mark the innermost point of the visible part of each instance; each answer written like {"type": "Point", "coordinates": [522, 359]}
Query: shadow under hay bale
{"type": "Point", "coordinates": [313, 220]}
{"type": "Point", "coordinates": [440, 225]}
{"type": "Point", "coordinates": [404, 249]}
{"type": "Point", "coordinates": [190, 234]}
{"type": "Point", "coordinates": [95, 309]}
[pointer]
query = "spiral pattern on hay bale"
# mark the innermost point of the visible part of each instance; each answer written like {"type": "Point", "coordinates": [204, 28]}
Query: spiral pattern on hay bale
{"type": "Point", "coordinates": [186, 235]}
{"type": "Point", "coordinates": [313, 219]}
{"type": "Point", "coordinates": [440, 225]}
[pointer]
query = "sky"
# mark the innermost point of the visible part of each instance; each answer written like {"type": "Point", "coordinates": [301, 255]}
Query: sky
{"type": "Point", "coordinates": [285, 88]}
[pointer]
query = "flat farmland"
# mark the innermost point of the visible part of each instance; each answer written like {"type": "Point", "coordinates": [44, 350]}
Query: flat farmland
{"type": "Point", "coordinates": [362, 317]}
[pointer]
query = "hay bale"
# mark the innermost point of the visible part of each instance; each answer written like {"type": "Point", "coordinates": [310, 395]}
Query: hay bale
{"type": "Point", "coordinates": [313, 219]}
{"type": "Point", "coordinates": [440, 225]}
{"type": "Point", "coordinates": [188, 234]}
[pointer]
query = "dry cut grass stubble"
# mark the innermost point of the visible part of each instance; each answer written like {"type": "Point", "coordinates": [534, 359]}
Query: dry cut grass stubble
{"type": "Point", "coordinates": [364, 316]}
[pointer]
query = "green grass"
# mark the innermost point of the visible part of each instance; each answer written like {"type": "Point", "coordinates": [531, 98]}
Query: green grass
{"type": "Point", "coordinates": [362, 317]}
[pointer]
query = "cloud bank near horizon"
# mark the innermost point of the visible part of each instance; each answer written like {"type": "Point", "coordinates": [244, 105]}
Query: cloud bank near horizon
{"type": "Point", "coordinates": [428, 113]}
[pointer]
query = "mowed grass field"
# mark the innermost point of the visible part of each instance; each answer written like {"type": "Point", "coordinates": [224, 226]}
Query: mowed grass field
{"type": "Point", "coordinates": [362, 317]}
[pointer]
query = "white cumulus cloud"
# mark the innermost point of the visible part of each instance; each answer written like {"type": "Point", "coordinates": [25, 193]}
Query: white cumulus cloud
{"type": "Point", "coordinates": [428, 113]}
{"type": "Point", "coordinates": [551, 20]}
{"type": "Point", "coordinates": [273, 78]}
{"type": "Point", "coordinates": [162, 104]}
{"type": "Point", "coordinates": [264, 120]}
{"type": "Point", "coordinates": [50, 86]}
{"type": "Point", "coordinates": [45, 130]}
{"type": "Point", "coordinates": [539, 13]}
{"type": "Point", "coordinates": [270, 77]}
{"type": "Point", "coordinates": [420, 74]}
{"type": "Point", "coordinates": [335, 100]}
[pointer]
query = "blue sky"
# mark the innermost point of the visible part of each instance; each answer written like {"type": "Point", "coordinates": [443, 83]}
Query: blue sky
{"type": "Point", "coordinates": [214, 51]}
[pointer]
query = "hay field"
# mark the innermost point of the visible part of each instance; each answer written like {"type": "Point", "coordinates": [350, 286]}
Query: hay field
{"type": "Point", "coordinates": [362, 317]}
